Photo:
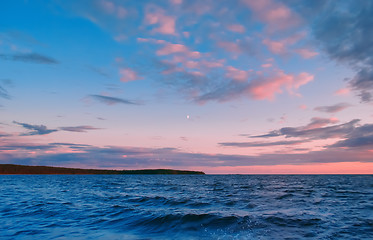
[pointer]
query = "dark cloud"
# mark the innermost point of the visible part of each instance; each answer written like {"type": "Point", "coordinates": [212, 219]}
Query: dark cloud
{"type": "Point", "coordinates": [79, 128]}
{"type": "Point", "coordinates": [2, 134]}
{"type": "Point", "coordinates": [73, 146]}
{"type": "Point", "coordinates": [361, 136]}
{"type": "Point", "coordinates": [260, 144]}
{"type": "Point", "coordinates": [35, 129]}
{"type": "Point", "coordinates": [313, 133]}
{"type": "Point", "coordinates": [29, 57]}
{"type": "Point", "coordinates": [112, 100]}
{"type": "Point", "coordinates": [344, 29]}
{"type": "Point", "coordinates": [333, 108]}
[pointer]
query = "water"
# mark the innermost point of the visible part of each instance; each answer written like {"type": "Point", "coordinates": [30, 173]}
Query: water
{"type": "Point", "coordinates": [186, 207]}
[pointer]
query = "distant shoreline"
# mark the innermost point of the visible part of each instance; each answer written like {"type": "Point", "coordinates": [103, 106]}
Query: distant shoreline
{"type": "Point", "coordinates": [14, 169]}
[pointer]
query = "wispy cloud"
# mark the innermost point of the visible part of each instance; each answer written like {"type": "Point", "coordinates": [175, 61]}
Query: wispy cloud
{"type": "Point", "coordinates": [112, 100]}
{"type": "Point", "coordinates": [4, 93]}
{"type": "Point", "coordinates": [29, 57]}
{"type": "Point", "coordinates": [333, 108]}
{"type": "Point", "coordinates": [83, 128]}
{"type": "Point", "coordinates": [35, 129]}
{"type": "Point", "coordinates": [314, 131]}
{"type": "Point", "coordinates": [135, 157]}
{"type": "Point", "coordinates": [260, 144]}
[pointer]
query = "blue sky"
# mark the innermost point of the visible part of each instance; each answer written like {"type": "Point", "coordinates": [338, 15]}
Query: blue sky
{"type": "Point", "coordinates": [221, 86]}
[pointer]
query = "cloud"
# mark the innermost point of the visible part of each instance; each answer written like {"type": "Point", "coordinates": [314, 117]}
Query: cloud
{"type": "Point", "coordinates": [170, 48]}
{"type": "Point", "coordinates": [333, 108]}
{"type": "Point", "coordinates": [156, 16]}
{"type": "Point", "coordinates": [111, 8]}
{"type": "Point", "coordinates": [260, 144]}
{"type": "Point", "coordinates": [280, 47]}
{"type": "Point", "coordinates": [314, 130]}
{"type": "Point", "coordinates": [317, 122]}
{"type": "Point", "coordinates": [346, 36]}
{"type": "Point", "coordinates": [83, 128]}
{"type": "Point", "coordinates": [4, 93]}
{"type": "Point", "coordinates": [35, 129]}
{"type": "Point", "coordinates": [276, 15]}
{"type": "Point", "coordinates": [134, 157]}
{"type": "Point", "coordinates": [267, 88]}
{"type": "Point", "coordinates": [112, 100]}
{"type": "Point", "coordinates": [361, 136]}
{"type": "Point", "coordinates": [29, 57]}
{"type": "Point", "coordinates": [238, 28]}
{"type": "Point", "coordinates": [2, 134]}
{"type": "Point", "coordinates": [128, 75]}
{"type": "Point", "coordinates": [306, 53]}
{"type": "Point", "coordinates": [342, 91]}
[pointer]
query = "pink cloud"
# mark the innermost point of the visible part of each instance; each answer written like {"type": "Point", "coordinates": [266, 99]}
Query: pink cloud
{"type": "Point", "coordinates": [230, 47]}
{"type": "Point", "coordinates": [267, 88]}
{"type": "Point", "coordinates": [176, 2]}
{"type": "Point", "coordinates": [121, 12]}
{"type": "Point", "coordinates": [107, 6]}
{"type": "Point", "coordinates": [128, 75]}
{"type": "Point", "coordinates": [110, 8]}
{"type": "Point", "coordinates": [192, 64]}
{"type": "Point", "coordinates": [267, 65]}
{"type": "Point", "coordinates": [171, 48]}
{"type": "Point", "coordinates": [303, 107]}
{"type": "Point", "coordinates": [166, 24]}
{"type": "Point", "coordinates": [236, 28]}
{"type": "Point", "coordinates": [275, 47]}
{"type": "Point", "coordinates": [236, 74]}
{"type": "Point", "coordinates": [276, 15]}
{"type": "Point", "coordinates": [280, 46]}
{"type": "Point", "coordinates": [186, 34]}
{"type": "Point", "coordinates": [306, 53]}
{"type": "Point", "coordinates": [317, 122]}
{"type": "Point", "coordinates": [212, 64]}
{"type": "Point", "coordinates": [342, 91]}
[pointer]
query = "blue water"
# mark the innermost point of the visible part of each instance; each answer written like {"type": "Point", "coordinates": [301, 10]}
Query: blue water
{"type": "Point", "coordinates": [186, 207]}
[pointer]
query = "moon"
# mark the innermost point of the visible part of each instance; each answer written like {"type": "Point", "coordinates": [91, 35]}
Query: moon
{"type": "Point", "coordinates": [187, 117]}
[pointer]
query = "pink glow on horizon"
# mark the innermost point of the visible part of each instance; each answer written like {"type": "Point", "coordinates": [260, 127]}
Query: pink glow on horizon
{"type": "Point", "coordinates": [317, 168]}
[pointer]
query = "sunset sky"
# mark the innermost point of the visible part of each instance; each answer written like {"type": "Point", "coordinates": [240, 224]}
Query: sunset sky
{"type": "Point", "coordinates": [222, 86]}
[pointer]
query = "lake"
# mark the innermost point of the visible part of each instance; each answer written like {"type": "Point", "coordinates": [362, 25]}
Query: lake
{"type": "Point", "coordinates": [186, 207]}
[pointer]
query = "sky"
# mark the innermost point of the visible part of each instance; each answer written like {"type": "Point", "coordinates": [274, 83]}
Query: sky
{"type": "Point", "coordinates": [220, 86]}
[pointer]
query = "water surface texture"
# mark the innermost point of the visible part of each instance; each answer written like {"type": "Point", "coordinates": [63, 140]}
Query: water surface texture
{"type": "Point", "coordinates": [186, 207]}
